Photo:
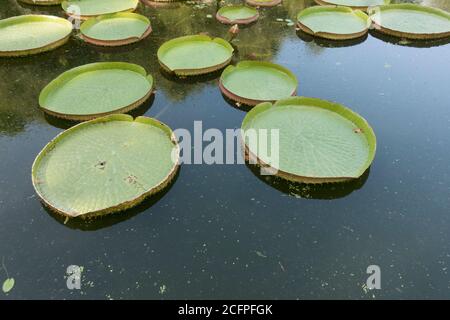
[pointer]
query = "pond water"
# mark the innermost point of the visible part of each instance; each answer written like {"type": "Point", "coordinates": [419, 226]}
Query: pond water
{"type": "Point", "coordinates": [223, 231]}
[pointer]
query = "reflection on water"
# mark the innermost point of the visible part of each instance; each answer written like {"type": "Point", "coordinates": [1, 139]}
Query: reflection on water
{"type": "Point", "coordinates": [330, 43]}
{"type": "Point", "coordinates": [324, 191]}
{"type": "Point", "coordinates": [30, 74]}
{"type": "Point", "coordinates": [409, 42]}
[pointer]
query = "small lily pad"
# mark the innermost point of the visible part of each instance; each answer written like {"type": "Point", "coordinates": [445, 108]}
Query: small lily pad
{"type": "Point", "coordinates": [194, 55]}
{"type": "Point", "coordinates": [8, 285]}
{"type": "Point", "coordinates": [85, 9]}
{"type": "Point", "coordinates": [31, 34]}
{"type": "Point", "coordinates": [253, 82]}
{"type": "Point", "coordinates": [319, 141]}
{"type": "Point", "coordinates": [105, 165]}
{"type": "Point", "coordinates": [412, 21]}
{"type": "Point", "coordinates": [116, 29]}
{"type": "Point", "coordinates": [237, 14]}
{"type": "Point", "coordinates": [42, 2]}
{"type": "Point", "coordinates": [96, 90]}
{"type": "Point", "coordinates": [354, 4]}
{"type": "Point", "coordinates": [331, 22]}
{"type": "Point", "coordinates": [263, 3]}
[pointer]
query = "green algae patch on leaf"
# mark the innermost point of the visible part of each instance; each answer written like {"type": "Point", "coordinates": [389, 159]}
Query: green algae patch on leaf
{"type": "Point", "coordinates": [96, 90]}
{"type": "Point", "coordinates": [318, 141]}
{"type": "Point", "coordinates": [42, 2]}
{"type": "Point", "coordinates": [194, 55]}
{"type": "Point", "coordinates": [263, 3]}
{"type": "Point", "coordinates": [85, 9]}
{"type": "Point", "coordinates": [105, 165]}
{"type": "Point", "coordinates": [411, 21]}
{"type": "Point", "coordinates": [354, 4]}
{"type": "Point", "coordinates": [253, 82]}
{"type": "Point", "coordinates": [31, 34]}
{"type": "Point", "coordinates": [335, 23]}
{"type": "Point", "coordinates": [116, 29]}
{"type": "Point", "coordinates": [8, 285]}
{"type": "Point", "coordinates": [237, 14]}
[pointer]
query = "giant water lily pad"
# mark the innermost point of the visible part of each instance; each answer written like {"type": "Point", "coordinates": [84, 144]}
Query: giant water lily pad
{"type": "Point", "coordinates": [90, 8]}
{"type": "Point", "coordinates": [331, 22]}
{"type": "Point", "coordinates": [31, 34]}
{"type": "Point", "coordinates": [412, 21]}
{"type": "Point", "coordinates": [194, 55]}
{"type": "Point", "coordinates": [263, 3]}
{"type": "Point", "coordinates": [116, 29]}
{"type": "Point", "coordinates": [105, 165]}
{"type": "Point", "coordinates": [42, 2]}
{"type": "Point", "coordinates": [253, 82]}
{"type": "Point", "coordinates": [319, 141]}
{"type": "Point", "coordinates": [237, 15]}
{"type": "Point", "coordinates": [354, 4]}
{"type": "Point", "coordinates": [95, 90]}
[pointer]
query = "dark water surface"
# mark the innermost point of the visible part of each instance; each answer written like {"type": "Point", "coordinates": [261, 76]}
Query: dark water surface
{"type": "Point", "coordinates": [223, 231]}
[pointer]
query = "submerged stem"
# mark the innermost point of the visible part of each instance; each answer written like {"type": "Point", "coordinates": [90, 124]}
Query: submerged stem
{"type": "Point", "coordinates": [4, 267]}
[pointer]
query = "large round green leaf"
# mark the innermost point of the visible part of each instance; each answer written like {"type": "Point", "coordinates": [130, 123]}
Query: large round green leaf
{"type": "Point", "coordinates": [105, 165]}
{"type": "Point", "coordinates": [42, 2]}
{"type": "Point", "coordinates": [263, 3]}
{"type": "Point", "coordinates": [194, 55]}
{"type": "Point", "coordinates": [412, 21]}
{"type": "Point", "coordinates": [319, 141]}
{"type": "Point", "coordinates": [253, 82]}
{"type": "Point", "coordinates": [237, 14]}
{"type": "Point", "coordinates": [95, 90]}
{"type": "Point", "coordinates": [115, 29]}
{"type": "Point", "coordinates": [331, 22]}
{"type": "Point", "coordinates": [89, 8]}
{"type": "Point", "coordinates": [354, 4]}
{"type": "Point", "coordinates": [30, 34]}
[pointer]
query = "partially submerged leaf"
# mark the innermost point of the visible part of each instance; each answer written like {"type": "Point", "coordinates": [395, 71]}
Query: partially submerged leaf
{"type": "Point", "coordinates": [336, 23]}
{"type": "Point", "coordinates": [89, 8]}
{"type": "Point", "coordinates": [116, 29]}
{"type": "Point", "coordinates": [30, 34]}
{"type": "Point", "coordinates": [96, 89]}
{"type": "Point", "coordinates": [8, 284]}
{"type": "Point", "coordinates": [105, 165]}
{"type": "Point", "coordinates": [260, 254]}
{"type": "Point", "coordinates": [253, 82]}
{"type": "Point", "coordinates": [317, 140]}
{"type": "Point", "coordinates": [412, 21]}
{"type": "Point", "coordinates": [193, 55]}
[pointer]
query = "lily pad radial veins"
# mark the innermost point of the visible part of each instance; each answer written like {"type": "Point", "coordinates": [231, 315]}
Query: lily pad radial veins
{"type": "Point", "coordinates": [319, 141]}
{"type": "Point", "coordinates": [105, 165]}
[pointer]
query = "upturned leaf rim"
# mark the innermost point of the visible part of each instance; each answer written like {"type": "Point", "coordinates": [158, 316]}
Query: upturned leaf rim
{"type": "Point", "coordinates": [124, 205]}
{"type": "Point", "coordinates": [197, 71]}
{"type": "Point", "coordinates": [252, 63]}
{"type": "Point", "coordinates": [68, 75]}
{"type": "Point", "coordinates": [36, 18]}
{"type": "Point", "coordinates": [340, 109]}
